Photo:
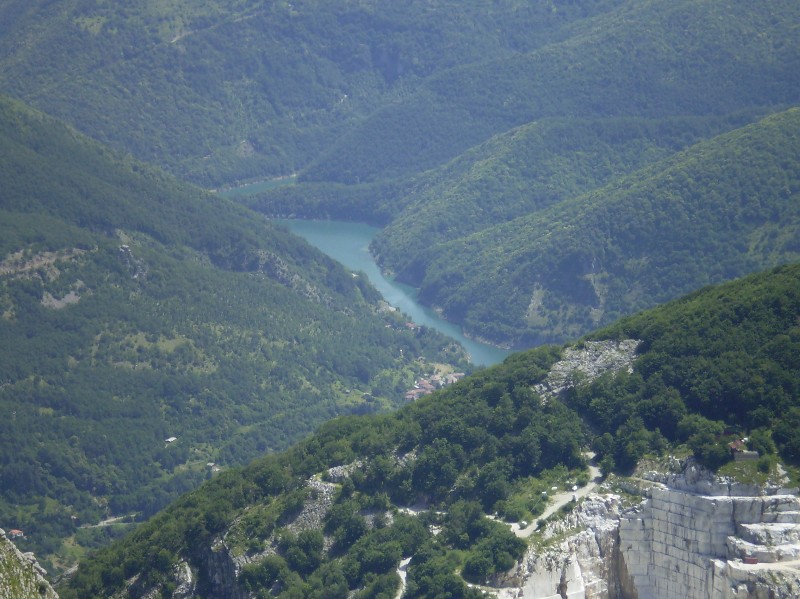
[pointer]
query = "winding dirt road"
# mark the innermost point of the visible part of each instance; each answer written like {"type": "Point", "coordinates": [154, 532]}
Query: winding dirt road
{"type": "Point", "coordinates": [561, 499]}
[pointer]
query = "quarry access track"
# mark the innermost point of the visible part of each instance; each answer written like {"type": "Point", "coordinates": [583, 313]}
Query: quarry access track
{"type": "Point", "coordinates": [561, 499]}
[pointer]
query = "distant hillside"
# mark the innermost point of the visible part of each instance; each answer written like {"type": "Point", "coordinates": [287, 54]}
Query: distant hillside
{"type": "Point", "coordinates": [481, 174]}
{"type": "Point", "coordinates": [221, 90]}
{"type": "Point", "coordinates": [335, 515]}
{"type": "Point", "coordinates": [135, 309]}
{"type": "Point", "coordinates": [717, 210]}
{"type": "Point", "coordinates": [642, 58]}
{"type": "Point", "coordinates": [558, 226]}
{"type": "Point", "coordinates": [523, 171]}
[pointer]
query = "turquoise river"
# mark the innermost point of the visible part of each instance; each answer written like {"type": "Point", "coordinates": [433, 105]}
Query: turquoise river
{"type": "Point", "coordinates": [348, 243]}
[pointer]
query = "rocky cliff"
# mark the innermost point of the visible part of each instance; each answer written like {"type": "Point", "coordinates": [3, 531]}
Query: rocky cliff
{"type": "Point", "coordinates": [693, 540]}
{"type": "Point", "coordinates": [21, 577]}
{"type": "Point", "coordinates": [674, 533]}
{"type": "Point", "coordinates": [705, 537]}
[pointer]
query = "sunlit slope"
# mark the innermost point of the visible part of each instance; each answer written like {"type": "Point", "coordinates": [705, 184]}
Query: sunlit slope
{"type": "Point", "coordinates": [433, 482]}
{"type": "Point", "coordinates": [715, 211]}
{"type": "Point", "coordinates": [135, 308]}
{"type": "Point", "coordinates": [523, 171]}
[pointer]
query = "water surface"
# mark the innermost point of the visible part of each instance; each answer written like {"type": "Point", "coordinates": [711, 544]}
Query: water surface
{"type": "Point", "coordinates": [348, 243]}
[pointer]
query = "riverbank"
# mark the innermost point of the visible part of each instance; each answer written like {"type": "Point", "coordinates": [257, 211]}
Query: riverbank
{"type": "Point", "coordinates": [348, 243]}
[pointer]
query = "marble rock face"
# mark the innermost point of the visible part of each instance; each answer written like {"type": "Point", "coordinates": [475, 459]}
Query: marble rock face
{"type": "Point", "coordinates": [692, 537]}
{"type": "Point", "coordinates": [682, 545]}
{"type": "Point", "coordinates": [21, 576]}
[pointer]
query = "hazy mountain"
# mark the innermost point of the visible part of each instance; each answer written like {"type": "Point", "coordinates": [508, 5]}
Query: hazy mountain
{"type": "Point", "coordinates": [558, 226]}
{"type": "Point", "coordinates": [520, 139]}
{"type": "Point", "coordinates": [221, 90]}
{"type": "Point", "coordinates": [650, 59]}
{"type": "Point", "coordinates": [523, 171]}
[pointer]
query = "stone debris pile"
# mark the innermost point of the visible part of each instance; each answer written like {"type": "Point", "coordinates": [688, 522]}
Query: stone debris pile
{"type": "Point", "coordinates": [584, 364]}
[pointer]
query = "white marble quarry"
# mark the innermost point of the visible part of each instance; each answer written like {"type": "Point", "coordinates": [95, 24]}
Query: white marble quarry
{"type": "Point", "coordinates": [669, 546]}
{"type": "Point", "coordinates": [580, 566]}
{"type": "Point", "coordinates": [567, 577]}
{"type": "Point", "coordinates": [770, 534]}
{"type": "Point", "coordinates": [676, 544]}
{"type": "Point", "coordinates": [735, 580]}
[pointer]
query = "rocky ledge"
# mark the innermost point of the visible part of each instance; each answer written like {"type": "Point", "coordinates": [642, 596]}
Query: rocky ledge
{"type": "Point", "coordinates": [586, 362]}
{"type": "Point", "coordinates": [21, 576]}
{"type": "Point", "coordinates": [676, 543]}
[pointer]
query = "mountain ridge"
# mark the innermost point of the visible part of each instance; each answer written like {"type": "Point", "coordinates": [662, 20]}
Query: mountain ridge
{"type": "Point", "coordinates": [304, 73]}
{"type": "Point", "coordinates": [747, 176]}
{"type": "Point", "coordinates": [420, 482]}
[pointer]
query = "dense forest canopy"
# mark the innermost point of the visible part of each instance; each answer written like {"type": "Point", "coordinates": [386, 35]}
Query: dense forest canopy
{"type": "Point", "coordinates": [721, 358]}
{"type": "Point", "coordinates": [135, 308]}
{"type": "Point", "coordinates": [559, 226]}
{"type": "Point", "coordinates": [717, 210]}
{"type": "Point", "coordinates": [479, 153]}
{"type": "Point", "coordinates": [541, 169]}
{"type": "Point", "coordinates": [448, 122]}
{"type": "Point", "coordinates": [649, 58]}
{"type": "Point", "coordinates": [221, 90]}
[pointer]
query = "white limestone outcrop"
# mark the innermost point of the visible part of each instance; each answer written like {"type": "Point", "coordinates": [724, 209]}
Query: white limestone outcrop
{"type": "Point", "coordinates": [585, 363]}
{"type": "Point", "coordinates": [574, 559]}
{"type": "Point", "coordinates": [687, 541]}
{"type": "Point", "coordinates": [682, 544]}
{"type": "Point", "coordinates": [21, 576]}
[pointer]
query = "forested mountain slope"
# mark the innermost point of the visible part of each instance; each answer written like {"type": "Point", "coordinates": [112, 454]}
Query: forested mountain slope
{"type": "Point", "coordinates": [221, 90]}
{"type": "Point", "coordinates": [521, 139]}
{"type": "Point", "coordinates": [441, 119]}
{"type": "Point", "coordinates": [328, 517]}
{"type": "Point", "coordinates": [645, 58]}
{"type": "Point", "coordinates": [135, 308]}
{"type": "Point", "coordinates": [523, 171]}
{"type": "Point", "coordinates": [717, 210]}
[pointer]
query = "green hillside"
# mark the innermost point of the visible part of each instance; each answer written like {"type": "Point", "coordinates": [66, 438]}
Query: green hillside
{"type": "Point", "coordinates": [717, 210]}
{"type": "Point", "coordinates": [480, 176]}
{"type": "Point", "coordinates": [721, 358]}
{"type": "Point", "coordinates": [725, 353]}
{"type": "Point", "coordinates": [135, 308]}
{"type": "Point", "coordinates": [542, 168]}
{"type": "Point", "coordinates": [523, 171]}
{"type": "Point", "coordinates": [645, 58]}
{"type": "Point", "coordinates": [221, 90]}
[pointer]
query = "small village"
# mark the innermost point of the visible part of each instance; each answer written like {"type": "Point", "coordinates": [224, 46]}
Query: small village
{"type": "Point", "coordinates": [429, 385]}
